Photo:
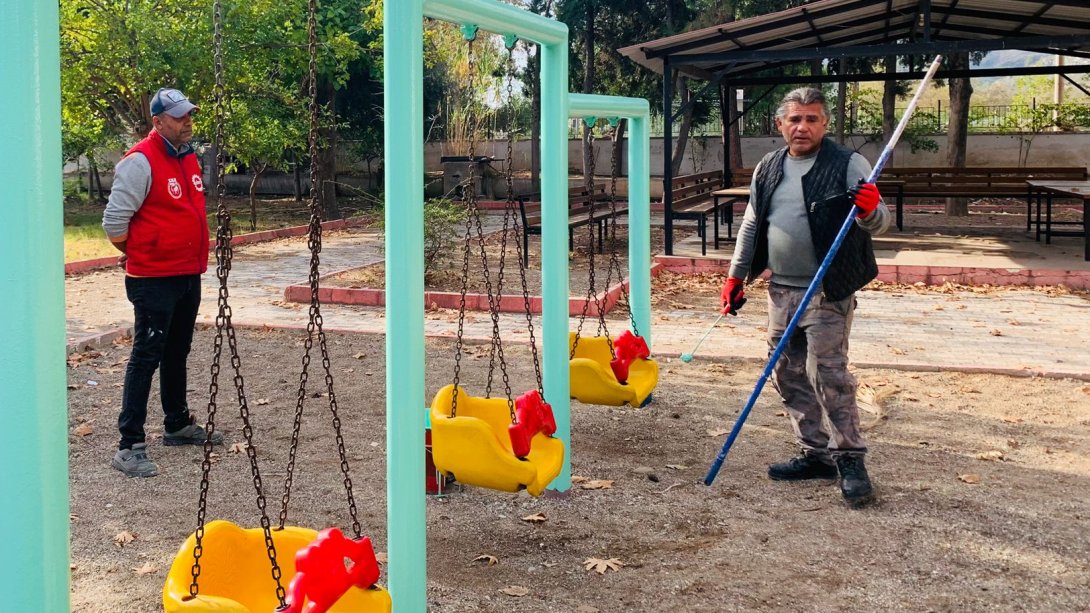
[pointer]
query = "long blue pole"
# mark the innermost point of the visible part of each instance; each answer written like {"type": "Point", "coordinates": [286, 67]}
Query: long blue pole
{"type": "Point", "coordinates": [34, 441]}
{"type": "Point", "coordinates": [816, 282]}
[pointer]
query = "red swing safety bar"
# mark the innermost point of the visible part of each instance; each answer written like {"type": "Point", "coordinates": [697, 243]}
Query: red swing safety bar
{"type": "Point", "coordinates": [321, 575]}
{"type": "Point", "coordinates": [533, 415]}
{"type": "Point", "coordinates": [628, 348]}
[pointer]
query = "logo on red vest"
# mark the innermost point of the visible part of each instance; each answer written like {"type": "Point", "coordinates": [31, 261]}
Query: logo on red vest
{"type": "Point", "coordinates": [197, 183]}
{"type": "Point", "coordinates": [174, 188]}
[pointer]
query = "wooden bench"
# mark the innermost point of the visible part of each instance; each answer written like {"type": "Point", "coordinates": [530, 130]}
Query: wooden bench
{"type": "Point", "coordinates": [691, 198]}
{"type": "Point", "coordinates": [975, 182]}
{"type": "Point", "coordinates": [899, 183]}
{"type": "Point", "coordinates": [584, 208]}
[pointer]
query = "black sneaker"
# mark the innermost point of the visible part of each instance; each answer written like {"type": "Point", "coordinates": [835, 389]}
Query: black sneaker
{"type": "Point", "coordinates": [855, 484]}
{"type": "Point", "coordinates": [801, 468]}
{"type": "Point", "coordinates": [190, 435]}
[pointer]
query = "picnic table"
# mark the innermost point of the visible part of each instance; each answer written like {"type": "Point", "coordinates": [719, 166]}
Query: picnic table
{"type": "Point", "coordinates": [1044, 192]}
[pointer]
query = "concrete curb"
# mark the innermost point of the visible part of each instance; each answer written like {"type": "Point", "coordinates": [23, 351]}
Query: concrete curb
{"type": "Point", "coordinates": [452, 300]}
{"type": "Point", "coordinates": [928, 275]}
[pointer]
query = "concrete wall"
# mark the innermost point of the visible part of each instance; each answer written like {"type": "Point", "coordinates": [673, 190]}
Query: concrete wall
{"type": "Point", "coordinates": [707, 154]}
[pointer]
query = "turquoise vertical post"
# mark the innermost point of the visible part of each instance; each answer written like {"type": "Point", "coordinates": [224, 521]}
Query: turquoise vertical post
{"type": "Point", "coordinates": [33, 441]}
{"type": "Point", "coordinates": [638, 113]}
{"type": "Point", "coordinates": [404, 175]}
{"type": "Point", "coordinates": [639, 220]}
{"type": "Point", "coordinates": [554, 244]}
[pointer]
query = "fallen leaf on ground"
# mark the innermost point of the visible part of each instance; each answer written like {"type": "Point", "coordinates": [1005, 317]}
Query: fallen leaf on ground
{"type": "Point", "coordinates": [382, 557]}
{"type": "Point", "coordinates": [997, 332]}
{"type": "Point", "coordinates": [237, 448]}
{"type": "Point", "coordinates": [579, 479]}
{"type": "Point", "coordinates": [1012, 420]}
{"type": "Point", "coordinates": [990, 455]}
{"type": "Point", "coordinates": [536, 518]}
{"type": "Point", "coordinates": [601, 565]}
{"type": "Point", "coordinates": [897, 351]}
{"type": "Point", "coordinates": [146, 569]}
{"type": "Point", "coordinates": [360, 356]}
{"type": "Point", "coordinates": [781, 413]}
{"type": "Point", "coordinates": [262, 401]}
{"type": "Point", "coordinates": [677, 466]}
{"type": "Point", "coordinates": [487, 559]}
{"type": "Point", "coordinates": [84, 429]}
{"type": "Point", "coordinates": [597, 484]}
{"type": "Point", "coordinates": [124, 538]}
{"type": "Point", "coordinates": [1086, 390]}
{"type": "Point", "coordinates": [718, 431]}
{"type": "Point", "coordinates": [516, 590]}
{"type": "Point", "coordinates": [969, 478]}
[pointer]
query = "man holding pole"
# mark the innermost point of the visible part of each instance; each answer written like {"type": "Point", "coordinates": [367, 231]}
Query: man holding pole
{"type": "Point", "coordinates": [801, 194]}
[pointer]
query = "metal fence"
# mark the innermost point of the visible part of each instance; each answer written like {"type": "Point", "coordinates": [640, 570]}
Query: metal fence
{"type": "Point", "coordinates": [1031, 117]}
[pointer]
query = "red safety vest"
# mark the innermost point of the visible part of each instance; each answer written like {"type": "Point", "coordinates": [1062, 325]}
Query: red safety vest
{"type": "Point", "coordinates": [168, 236]}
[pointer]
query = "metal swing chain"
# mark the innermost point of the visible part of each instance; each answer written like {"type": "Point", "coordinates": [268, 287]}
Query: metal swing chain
{"type": "Point", "coordinates": [470, 204]}
{"type": "Point", "coordinates": [315, 323]}
{"type": "Point", "coordinates": [224, 255]}
{"type": "Point", "coordinates": [614, 261]}
{"type": "Point", "coordinates": [508, 221]}
{"type": "Point", "coordinates": [518, 229]}
{"type": "Point", "coordinates": [592, 295]}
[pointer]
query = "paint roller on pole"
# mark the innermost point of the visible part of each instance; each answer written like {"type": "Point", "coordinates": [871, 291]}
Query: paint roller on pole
{"type": "Point", "coordinates": [816, 282]}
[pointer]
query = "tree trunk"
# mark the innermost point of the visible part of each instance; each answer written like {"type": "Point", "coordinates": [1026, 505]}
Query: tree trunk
{"type": "Point", "coordinates": [258, 169]}
{"type": "Point", "coordinates": [297, 182]}
{"type": "Point", "coordinates": [327, 158]}
{"type": "Point", "coordinates": [588, 87]}
{"type": "Point", "coordinates": [961, 90]}
{"type": "Point", "coordinates": [889, 100]}
{"type": "Point", "coordinates": [95, 180]}
{"type": "Point", "coordinates": [841, 106]}
{"type": "Point", "coordinates": [735, 132]}
{"type": "Point", "coordinates": [617, 157]}
{"type": "Point", "coordinates": [683, 129]}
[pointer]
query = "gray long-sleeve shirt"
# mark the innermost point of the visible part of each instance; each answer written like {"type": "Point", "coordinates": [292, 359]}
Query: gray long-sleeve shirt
{"type": "Point", "coordinates": [132, 182]}
{"type": "Point", "coordinates": [791, 255]}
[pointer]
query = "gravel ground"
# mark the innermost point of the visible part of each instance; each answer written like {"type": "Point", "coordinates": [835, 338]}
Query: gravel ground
{"type": "Point", "coordinates": [983, 482]}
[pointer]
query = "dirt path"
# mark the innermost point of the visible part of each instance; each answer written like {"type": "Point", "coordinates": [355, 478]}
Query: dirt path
{"type": "Point", "coordinates": [984, 485]}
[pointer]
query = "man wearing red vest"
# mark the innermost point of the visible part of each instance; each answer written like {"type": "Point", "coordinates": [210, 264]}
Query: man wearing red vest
{"type": "Point", "coordinates": [156, 218]}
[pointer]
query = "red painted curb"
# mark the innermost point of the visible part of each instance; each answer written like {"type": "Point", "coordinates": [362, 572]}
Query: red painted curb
{"type": "Point", "coordinates": [928, 275]}
{"type": "Point", "coordinates": [508, 303]}
{"type": "Point", "coordinates": [242, 239]}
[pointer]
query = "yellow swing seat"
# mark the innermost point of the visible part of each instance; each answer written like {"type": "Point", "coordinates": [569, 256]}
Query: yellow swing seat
{"type": "Point", "coordinates": [593, 381]}
{"type": "Point", "coordinates": [236, 576]}
{"type": "Point", "coordinates": [475, 448]}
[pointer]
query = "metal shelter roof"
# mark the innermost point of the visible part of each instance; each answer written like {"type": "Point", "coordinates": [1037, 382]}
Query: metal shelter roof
{"type": "Point", "coordinates": [738, 50]}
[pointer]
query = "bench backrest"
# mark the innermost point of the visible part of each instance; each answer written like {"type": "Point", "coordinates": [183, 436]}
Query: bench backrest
{"type": "Point", "coordinates": [690, 189]}
{"type": "Point", "coordinates": [579, 199]}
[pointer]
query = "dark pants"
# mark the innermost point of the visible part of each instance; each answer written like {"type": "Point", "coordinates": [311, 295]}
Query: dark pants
{"type": "Point", "coordinates": [165, 310]}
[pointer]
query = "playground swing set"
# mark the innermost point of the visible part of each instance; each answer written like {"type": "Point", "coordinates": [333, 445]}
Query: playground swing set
{"type": "Point", "coordinates": [227, 557]}
{"type": "Point", "coordinates": [219, 567]}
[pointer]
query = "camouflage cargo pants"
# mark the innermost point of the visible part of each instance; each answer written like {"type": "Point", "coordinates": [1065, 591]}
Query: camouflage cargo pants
{"type": "Point", "coordinates": [812, 374]}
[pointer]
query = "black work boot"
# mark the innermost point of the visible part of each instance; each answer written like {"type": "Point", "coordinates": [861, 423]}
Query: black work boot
{"type": "Point", "coordinates": [854, 483]}
{"type": "Point", "coordinates": [800, 468]}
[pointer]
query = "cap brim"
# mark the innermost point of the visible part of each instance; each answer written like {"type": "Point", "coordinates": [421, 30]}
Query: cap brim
{"type": "Point", "coordinates": [182, 109]}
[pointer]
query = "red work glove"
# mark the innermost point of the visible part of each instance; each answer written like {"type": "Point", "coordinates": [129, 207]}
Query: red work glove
{"type": "Point", "coordinates": [733, 295]}
{"type": "Point", "coordinates": [866, 197]}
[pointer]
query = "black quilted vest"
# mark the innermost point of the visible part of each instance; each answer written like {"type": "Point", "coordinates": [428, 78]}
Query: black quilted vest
{"type": "Point", "coordinates": [854, 265]}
